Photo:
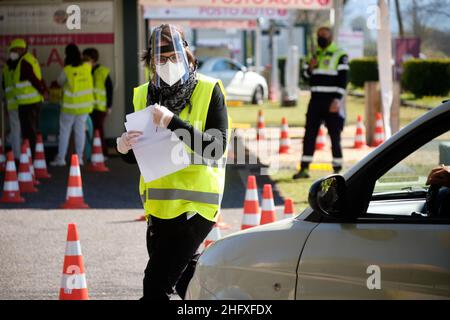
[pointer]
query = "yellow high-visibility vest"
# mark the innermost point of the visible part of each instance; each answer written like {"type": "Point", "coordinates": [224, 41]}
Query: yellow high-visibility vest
{"type": "Point", "coordinates": [100, 75]}
{"type": "Point", "coordinates": [10, 93]}
{"type": "Point", "coordinates": [78, 95]}
{"type": "Point", "coordinates": [198, 187]}
{"type": "Point", "coordinates": [25, 92]}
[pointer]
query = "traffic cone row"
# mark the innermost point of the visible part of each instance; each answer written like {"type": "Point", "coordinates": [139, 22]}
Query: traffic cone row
{"type": "Point", "coordinates": [284, 137]}
{"type": "Point", "coordinates": [26, 182]}
{"type": "Point", "coordinates": [73, 282]}
{"type": "Point", "coordinates": [2, 157]}
{"type": "Point", "coordinates": [321, 139]}
{"type": "Point", "coordinates": [268, 206]}
{"type": "Point", "coordinates": [261, 131]}
{"type": "Point", "coordinates": [40, 166]}
{"type": "Point", "coordinates": [74, 196]}
{"type": "Point", "coordinates": [360, 137]}
{"type": "Point", "coordinates": [252, 213]}
{"type": "Point", "coordinates": [11, 190]}
{"type": "Point", "coordinates": [221, 224]}
{"type": "Point", "coordinates": [26, 177]}
{"type": "Point", "coordinates": [30, 162]}
{"type": "Point", "coordinates": [288, 211]}
{"type": "Point", "coordinates": [379, 131]}
{"type": "Point", "coordinates": [97, 158]}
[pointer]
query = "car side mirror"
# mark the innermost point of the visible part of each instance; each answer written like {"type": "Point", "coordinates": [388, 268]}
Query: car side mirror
{"type": "Point", "coordinates": [327, 195]}
{"type": "Point", "coordinates": [244, 69]}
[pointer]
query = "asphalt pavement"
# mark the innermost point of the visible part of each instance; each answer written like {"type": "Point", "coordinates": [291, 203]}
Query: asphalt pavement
{"type": "Point", "coordinates": [33, 234]}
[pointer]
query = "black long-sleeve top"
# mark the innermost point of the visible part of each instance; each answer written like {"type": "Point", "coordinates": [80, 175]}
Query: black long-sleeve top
{"type": "Point", "coordinates": [217, 118]}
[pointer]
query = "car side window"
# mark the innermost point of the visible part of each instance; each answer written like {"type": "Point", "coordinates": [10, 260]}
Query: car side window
{"type": "Point", "coordinates": [408, 178]}
{"type": "Point", "coordinates": [220, 66]}
{"type": "Point", "coordinates": [233, 66]}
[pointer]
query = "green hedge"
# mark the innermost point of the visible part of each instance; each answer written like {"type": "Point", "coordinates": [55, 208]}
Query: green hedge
{"type": "Point", "coordinates": [362, 70]}
{"type": "Point", "coordinates": [429, 77]}
{"type": "Point", "coordinates": [421, 77]}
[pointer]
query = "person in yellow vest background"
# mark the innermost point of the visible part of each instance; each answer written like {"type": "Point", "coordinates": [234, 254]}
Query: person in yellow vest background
{"type": "Point", "coordinates": [182, 207]}
{"type": "Point", "coordinates": [11, 104]}
{"type": "Point", "coordinates": [29, 89]}
{"type": "Point", "coordinates": [77, 103]}
{"type": "Point", "coordinates": [326, 70]}
{"type": "Point", "coordinates": [103, 92]}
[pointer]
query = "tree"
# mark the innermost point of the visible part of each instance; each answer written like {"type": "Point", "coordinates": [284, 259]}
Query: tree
{"type": "Point", "coordinates": [399, 19]}
{"type": "Point", "coordinates": [424, 17]}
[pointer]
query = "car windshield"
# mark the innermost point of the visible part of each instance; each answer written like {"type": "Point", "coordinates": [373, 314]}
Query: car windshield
{"type": "Point", "coordinates": [411, 173]}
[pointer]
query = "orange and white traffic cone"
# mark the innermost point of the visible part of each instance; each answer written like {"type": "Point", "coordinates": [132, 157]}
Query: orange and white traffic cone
{"type": "Point", "coordinates": [360, 137]}
{"type": "Point", "coordinates": [379, 131]}
{"type": "Point", "coordinates": [321, 140]}
{"type": "Point", "coordinates": [2, 157]}
{"type": "Point", "coordinates": [288, 208]}
{"type": "Point", "coordinates": [221, 224]}
{"type": "Point", "coordinates": [97, 158]}
{"type": "Point", "coordinates": [25, 177]}
{"type": "Point", "coordinates": [73, 283]}
{"type": "Point", "coordinates": [261, 131]}
{"type": "Point", "coordinates": [74, 197]}
{"type": "Point", "coordinates": [284, 137]}
{"type": "Point", "coordinates": [213, 235]}
{"type": "Point", "coordinates": [40, 166]}
{"type": "Point", "coordinates": [252, 214]}
{"type": "Point", "coordinates": [268, 207]}
{"type": "Point", "coordinates": [30, 162]}
{"type": "Point", "coordinates": [141, 218]}
{"type": "Point", "coordinates": [11, 190]}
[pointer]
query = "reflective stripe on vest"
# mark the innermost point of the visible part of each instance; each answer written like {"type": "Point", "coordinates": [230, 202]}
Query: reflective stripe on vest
{"type": "Point", "coordinates": [25, 93]}
{"type": "Point", "coordinates": [173, 194]}
{"type": "Point", "coordinates": [325, 89]}
{"type": "Point", "coordinates": [198, 187]}
{"type": "Point", "coordinates": [100, 74]}
{"type": "Point", "coordinates": [10, 94]}
{"type": "Point", "coordinates": [78, 97]}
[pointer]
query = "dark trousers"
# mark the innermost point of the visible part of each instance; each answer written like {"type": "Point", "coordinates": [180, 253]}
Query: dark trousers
{"type": "Point", "coordinates": [172, 245]}
{"type": "Point", "coordinates": [98, 120]}
{"type": "Point", "coordinates": [29, 122]}
{"type": "Point", "coordinates": [318, 113]}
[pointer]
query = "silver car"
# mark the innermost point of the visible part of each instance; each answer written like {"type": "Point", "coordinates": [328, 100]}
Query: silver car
{"type": "Point", "coordinates": [240, 83]}
{"type": "Point", "coordinates": [377, 232]}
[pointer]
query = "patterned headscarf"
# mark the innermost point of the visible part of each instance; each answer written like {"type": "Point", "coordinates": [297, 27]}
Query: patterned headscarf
{"type": "Point", "coordinates": [174, 98]}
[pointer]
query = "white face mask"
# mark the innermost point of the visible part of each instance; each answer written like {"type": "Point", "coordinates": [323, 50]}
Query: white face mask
{"type": "Point", "coordinates": [170, 72]}
{"type": "Point", "coordinates": [13, 56]}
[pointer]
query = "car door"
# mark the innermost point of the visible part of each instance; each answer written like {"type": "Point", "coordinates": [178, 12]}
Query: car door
{"type": "Point", "coordinates": [386, 251]}
{"type": "Point", "coordinates": [242, 84]}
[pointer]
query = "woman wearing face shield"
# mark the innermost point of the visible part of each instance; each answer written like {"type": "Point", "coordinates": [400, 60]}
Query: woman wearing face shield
{"type": "Point", "coordinates": [181, 208]}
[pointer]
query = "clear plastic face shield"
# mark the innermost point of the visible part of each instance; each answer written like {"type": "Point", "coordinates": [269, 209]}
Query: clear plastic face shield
{"type": "Point", "coordinates": [169, 57]}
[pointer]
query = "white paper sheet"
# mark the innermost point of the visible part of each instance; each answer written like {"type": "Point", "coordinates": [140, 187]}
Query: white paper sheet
{"type": "Point", "coordinates": [158, 151]}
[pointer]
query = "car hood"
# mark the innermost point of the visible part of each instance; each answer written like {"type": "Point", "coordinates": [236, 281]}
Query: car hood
{"type": "Point", "coordinates": [256, 263]}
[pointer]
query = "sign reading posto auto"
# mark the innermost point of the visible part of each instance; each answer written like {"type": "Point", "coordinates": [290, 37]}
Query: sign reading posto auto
{"type": "Point", "coordinates": [285, 4]}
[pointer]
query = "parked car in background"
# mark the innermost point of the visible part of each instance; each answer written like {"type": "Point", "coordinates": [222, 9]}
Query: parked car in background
{"type": "Point", "coordinates": [239, 83]}
{"type": "Point", "coordinates": [377, 232]}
